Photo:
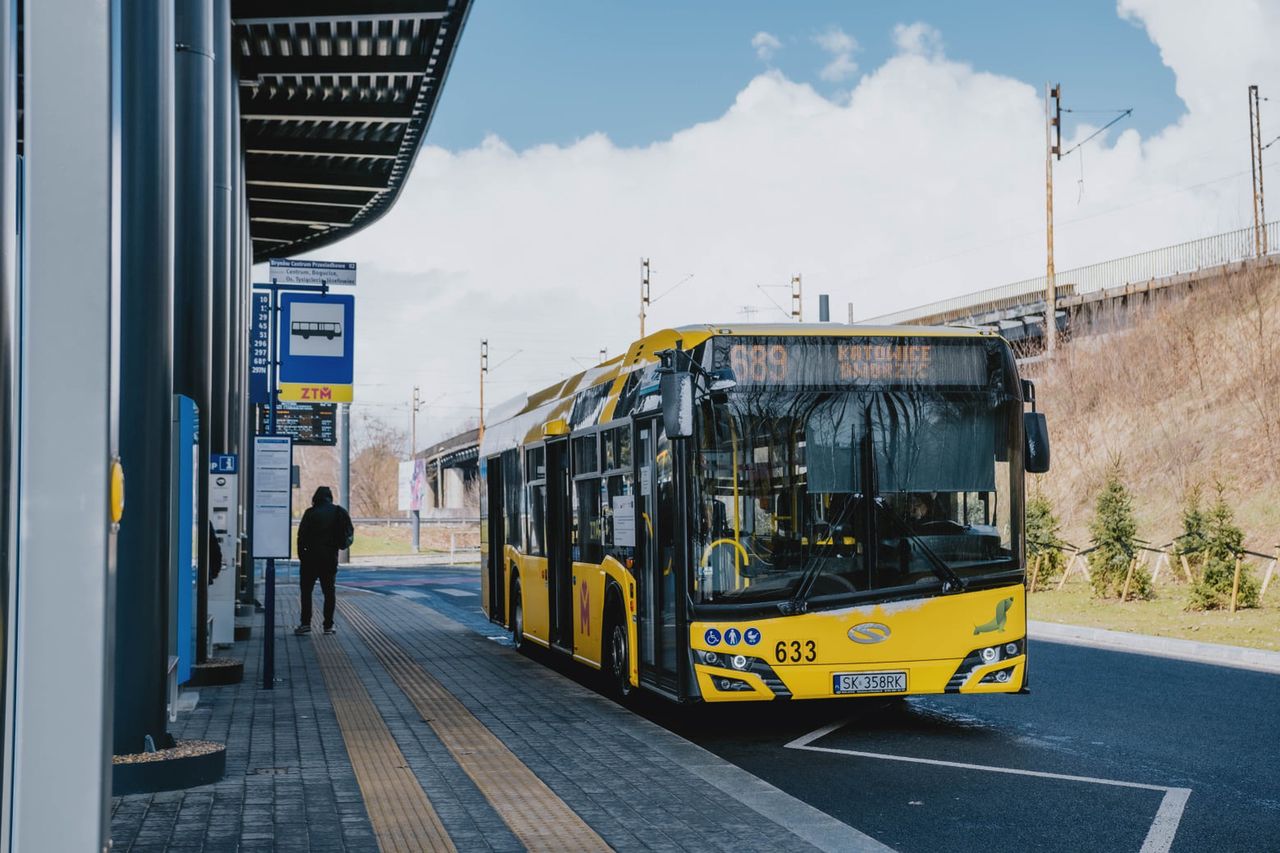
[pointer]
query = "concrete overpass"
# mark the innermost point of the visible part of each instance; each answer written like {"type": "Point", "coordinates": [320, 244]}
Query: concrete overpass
{"type": "Point", "coordinates": [1097, 297]}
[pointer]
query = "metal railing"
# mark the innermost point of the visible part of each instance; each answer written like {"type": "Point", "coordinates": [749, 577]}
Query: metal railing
{"type": "Point", "coordinates": [1154, 264]}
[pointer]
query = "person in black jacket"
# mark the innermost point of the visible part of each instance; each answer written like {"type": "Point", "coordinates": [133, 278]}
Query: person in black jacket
{"type": "Point", "coordinates": [324, 531]}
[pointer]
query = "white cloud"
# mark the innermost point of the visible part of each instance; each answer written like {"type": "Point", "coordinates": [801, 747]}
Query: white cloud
{"type": "Point", "coordinates": [918, 38]}
{"type": "Point", "coordinates": [841, 46]}
{"type": "Point", "coordinates": [766, 45]}
{"type": "Point", "coordinates": [926, 182]}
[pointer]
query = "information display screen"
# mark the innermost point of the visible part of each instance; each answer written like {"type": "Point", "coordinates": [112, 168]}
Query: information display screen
{"type": "Point", "coordinates": [834, 362]}
{"type": "Point", "coordinates": [308, 424]}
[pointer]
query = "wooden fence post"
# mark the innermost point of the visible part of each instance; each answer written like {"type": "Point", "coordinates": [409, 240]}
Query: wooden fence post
{"type": "Point", "coordinates": [1066, 573]}
{"type": "Point", "coordinates": [1186, 568]}
{"type": "Point", "coordinates": [1127, 578]}
{"type": "Point", "coordinates": [1266, 580]}
{"type": "Point", "coordinates": [1235, 585]}
{"type": "Point", "coordinates": [1160, 564]}
{"type": "Point", "coordinates": [1035, 571]}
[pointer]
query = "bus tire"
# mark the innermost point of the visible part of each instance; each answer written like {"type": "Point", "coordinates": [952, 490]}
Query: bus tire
{"type": "Point", "coordinates": [617, 668]}
{"type": "Point", "coordinates": [517, 617]}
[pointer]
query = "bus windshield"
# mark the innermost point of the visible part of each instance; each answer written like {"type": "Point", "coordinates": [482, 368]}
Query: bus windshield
{"type": "Point", "coordinates": [810, 496]}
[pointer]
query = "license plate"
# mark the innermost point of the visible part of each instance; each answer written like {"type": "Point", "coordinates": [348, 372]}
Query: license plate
{"type": "Point", "coordinates": [869, 682]}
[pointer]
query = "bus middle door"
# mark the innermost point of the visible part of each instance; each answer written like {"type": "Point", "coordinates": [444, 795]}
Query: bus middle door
{"type": "Point", "coordinates": [559, 548]}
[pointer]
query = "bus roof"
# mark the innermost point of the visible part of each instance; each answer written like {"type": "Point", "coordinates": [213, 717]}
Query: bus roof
{"type": "Point", "coordinates": [547, 412]}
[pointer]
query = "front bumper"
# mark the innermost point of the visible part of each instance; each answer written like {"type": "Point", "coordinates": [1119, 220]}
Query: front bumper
{"type": "Point", "coordinates": [760, 681]}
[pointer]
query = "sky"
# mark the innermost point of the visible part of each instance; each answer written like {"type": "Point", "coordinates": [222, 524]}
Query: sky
{"type": "Point", "coordinates": [891, 153]}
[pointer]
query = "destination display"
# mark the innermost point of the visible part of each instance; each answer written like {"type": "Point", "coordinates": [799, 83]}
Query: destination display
{"type": "Point", "coordinates": [838, 362]}
{"type": "Point", "coordinates": [308, 424]}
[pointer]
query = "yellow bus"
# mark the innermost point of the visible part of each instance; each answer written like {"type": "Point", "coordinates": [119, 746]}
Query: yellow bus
{"type": "Point", "coordinates": [761, 512]}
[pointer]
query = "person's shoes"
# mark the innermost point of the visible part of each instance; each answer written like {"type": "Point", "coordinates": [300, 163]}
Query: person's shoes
{"type": "Point", "coordinates": [302, 630]}
{"type": "Point", "coordinates": [328, 629]}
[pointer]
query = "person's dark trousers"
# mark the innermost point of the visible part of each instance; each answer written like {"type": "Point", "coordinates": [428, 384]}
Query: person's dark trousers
{"type": "Point", "coordinates": [308, 574]}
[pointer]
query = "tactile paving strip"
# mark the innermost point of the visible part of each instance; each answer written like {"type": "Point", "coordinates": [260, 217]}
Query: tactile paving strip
{"type": "Point", "coordinates": [402, 816]}
{"type": "Point", "coordinates": [535, 815]}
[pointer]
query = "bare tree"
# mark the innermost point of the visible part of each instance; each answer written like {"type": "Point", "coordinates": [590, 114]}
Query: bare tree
{"type": "Point", "coordinates": [375, 459]}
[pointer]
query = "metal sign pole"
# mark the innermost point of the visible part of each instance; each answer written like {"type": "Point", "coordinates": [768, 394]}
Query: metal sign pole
{"type": "Point", "coordinates": [269, 581]}
{"type": "Point", "coordinates": [273, 393]}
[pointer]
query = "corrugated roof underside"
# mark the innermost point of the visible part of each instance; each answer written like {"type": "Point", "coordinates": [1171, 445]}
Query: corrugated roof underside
{"type": "Point", "coordinates": [335, 98]}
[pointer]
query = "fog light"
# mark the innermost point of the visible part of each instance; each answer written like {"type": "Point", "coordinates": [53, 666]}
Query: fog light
{"type": "Point", "coordinates": [726, 684]}
{"type": "Point", "coordinates": [989, 654]}
{"type": "Point", "coordinates": [739, 662]}
{"type": "Point", "coordinates": [1011, 649]}
{"type": "Point", "coordinates": [1002, 676]}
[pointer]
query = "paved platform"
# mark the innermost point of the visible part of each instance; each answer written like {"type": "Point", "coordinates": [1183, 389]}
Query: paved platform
{"type": "Point", "coordinates": [408, 730]}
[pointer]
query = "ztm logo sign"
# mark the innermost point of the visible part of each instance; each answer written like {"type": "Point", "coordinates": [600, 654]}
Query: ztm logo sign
{"type": "Point", "coordinates": [584, 608]}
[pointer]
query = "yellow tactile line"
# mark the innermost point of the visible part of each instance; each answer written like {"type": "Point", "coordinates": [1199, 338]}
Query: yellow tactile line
{"type": "Point", "coordinates": [533, 812]}
{"type": "Point", "coordinates": [402, 816]}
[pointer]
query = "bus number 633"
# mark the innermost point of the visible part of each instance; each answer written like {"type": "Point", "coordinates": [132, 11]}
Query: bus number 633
{"type": "Point", "coordinates": [796, 651]}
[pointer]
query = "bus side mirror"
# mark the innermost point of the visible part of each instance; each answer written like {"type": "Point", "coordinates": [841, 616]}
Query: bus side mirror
{"type": "Point", "coordinates": [1036, 442]}
{"type": "Point", "coordinates": [677, 404]}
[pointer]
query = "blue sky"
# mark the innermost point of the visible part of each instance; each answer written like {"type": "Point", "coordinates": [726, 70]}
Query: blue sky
{"type": "Point", "coordinates": [556, 71]}
{"type": "Point", "coordinates": [654, 129]}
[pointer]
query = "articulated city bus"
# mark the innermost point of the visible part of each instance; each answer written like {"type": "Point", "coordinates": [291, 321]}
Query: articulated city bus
{"type": "Point", "coordinates": [771, 512]}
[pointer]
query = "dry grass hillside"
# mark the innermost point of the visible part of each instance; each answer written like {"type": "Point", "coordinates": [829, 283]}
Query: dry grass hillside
{"type": "Point", "coordinates": [1189, 394]}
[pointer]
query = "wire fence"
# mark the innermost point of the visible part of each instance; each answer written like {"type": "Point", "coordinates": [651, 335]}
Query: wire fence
{"type": "Point", "coordinates": [1169, 261]}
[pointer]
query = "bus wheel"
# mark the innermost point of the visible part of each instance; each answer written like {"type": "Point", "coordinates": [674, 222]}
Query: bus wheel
{"type": "Point", "coordinates": [517, 617]}
{"type": "Point", "coordinates": [619, 660]}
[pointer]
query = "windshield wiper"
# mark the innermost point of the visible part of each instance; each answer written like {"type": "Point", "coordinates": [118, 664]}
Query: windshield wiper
{"type": "Point", "coordinates": [951, 582]}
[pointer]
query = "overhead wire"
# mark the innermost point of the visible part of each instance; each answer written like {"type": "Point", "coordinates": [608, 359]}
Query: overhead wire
{"type": "Point", "coordinates": [1123, 115]}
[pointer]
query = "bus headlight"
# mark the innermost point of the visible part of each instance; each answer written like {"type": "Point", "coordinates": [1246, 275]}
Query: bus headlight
{"type": "Point", "coordinates": [742, 663]}
{"type": "Point", "coordinates": [1000, 676]}
{"type": "Point", "coordinates": [985, 657]}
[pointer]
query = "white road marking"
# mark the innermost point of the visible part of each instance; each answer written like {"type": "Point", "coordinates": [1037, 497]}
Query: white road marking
{"type": "Point", "coordinates": [1159, 838]}
{"type": "Point", "coordinates": [456, 593]}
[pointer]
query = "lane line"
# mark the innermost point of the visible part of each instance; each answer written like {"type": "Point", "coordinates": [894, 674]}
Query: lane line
{"type": "Point", "coordinates": [457, 593]}
{"type": "Point", "coordinates": [1165, 826]}
{"type": "Point", "coordinates": [1159, 838]}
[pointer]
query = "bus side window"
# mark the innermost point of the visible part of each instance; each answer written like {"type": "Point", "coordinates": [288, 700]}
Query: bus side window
{"type": "Point", "coordinates": [587, 520]}
{"type": "Point", "coordinates": [513, 500]}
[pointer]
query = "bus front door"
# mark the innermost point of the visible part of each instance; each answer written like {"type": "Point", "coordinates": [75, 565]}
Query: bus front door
{"type": "Point", "coordinates": [656, 570]}
{"type": "Point", "coordinates": [559, 548]}
{"type": "Point", "coordinates": [495, 527]}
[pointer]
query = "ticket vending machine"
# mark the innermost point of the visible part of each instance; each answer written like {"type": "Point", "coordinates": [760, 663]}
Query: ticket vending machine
{"type": "Point", "coordinates": [224, 496]}
{"type": "Point", "coordinates": [184, 570]}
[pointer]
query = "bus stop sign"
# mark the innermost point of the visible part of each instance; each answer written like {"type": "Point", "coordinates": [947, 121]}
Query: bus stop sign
{"type": "Point", "coordinates": [316, 346]}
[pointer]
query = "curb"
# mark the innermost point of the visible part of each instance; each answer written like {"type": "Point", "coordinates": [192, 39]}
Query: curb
{"type": "Point", "coordinates": [1217, 654]}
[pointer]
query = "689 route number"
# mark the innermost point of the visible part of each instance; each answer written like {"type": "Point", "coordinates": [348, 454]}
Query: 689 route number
{"type": "Point", "coordinates": [795, 651]}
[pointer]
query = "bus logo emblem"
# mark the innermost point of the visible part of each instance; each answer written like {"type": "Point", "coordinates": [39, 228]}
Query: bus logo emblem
{"type": "Point", "coordinates": [869, 632]}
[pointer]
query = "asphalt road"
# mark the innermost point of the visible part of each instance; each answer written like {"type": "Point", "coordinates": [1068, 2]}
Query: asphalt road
{"type": "Point", "coordinates": [1110, 751]}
